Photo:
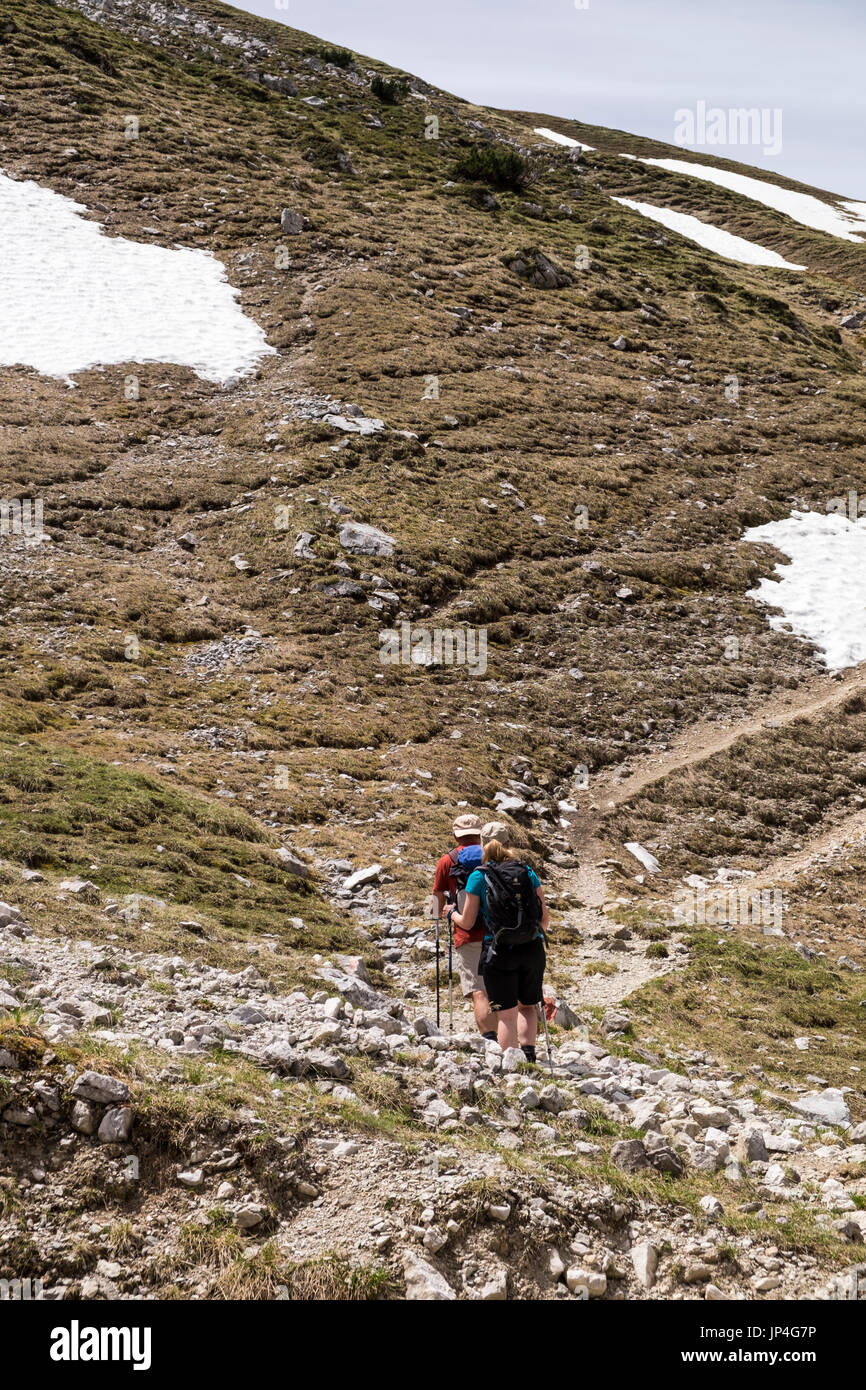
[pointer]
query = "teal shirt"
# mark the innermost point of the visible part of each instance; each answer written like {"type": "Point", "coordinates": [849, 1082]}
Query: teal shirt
{"type": "Point", "coordinates": [477, 884]}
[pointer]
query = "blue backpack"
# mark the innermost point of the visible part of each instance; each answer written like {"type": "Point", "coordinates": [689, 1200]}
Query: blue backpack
{"type": "Point", "coordinates": [464, 861]}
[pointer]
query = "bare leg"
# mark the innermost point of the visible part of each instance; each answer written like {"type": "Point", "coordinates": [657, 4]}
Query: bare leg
{"type": "Point", "coordinates": [507, 1028]}
{"type": "Point", "coordinates": [527, 1024]}
{"type": "Point", "coordinates": [484, 1019]}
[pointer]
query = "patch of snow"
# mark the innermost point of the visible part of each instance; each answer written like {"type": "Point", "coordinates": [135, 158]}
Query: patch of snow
{"type": "Point", "coordinates": [733, 248]}
{"type": "Point", "coordinates": [856, 209]}
{"type": "Point", "coordinates": [73, 298]}
{"type": "Point", "coordinates": [558, 139]}
{"type": "Point", "coordinates": [643, 856]}
{"type": "Point", "coordinates": [844, 219]}
{"type": "Point", "coordinates": [822, 592]}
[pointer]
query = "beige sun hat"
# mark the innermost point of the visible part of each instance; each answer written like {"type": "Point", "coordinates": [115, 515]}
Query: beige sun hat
{"type": "Point", "coordinates": [496, 830]}
{"type": "Point", "coordinates": [466, 826]}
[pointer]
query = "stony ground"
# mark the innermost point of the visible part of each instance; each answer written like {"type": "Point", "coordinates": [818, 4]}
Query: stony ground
{"type": "Point", "coordinates": [219, 1070]}
{"type": "Point", "coordinates": [204, 1135]}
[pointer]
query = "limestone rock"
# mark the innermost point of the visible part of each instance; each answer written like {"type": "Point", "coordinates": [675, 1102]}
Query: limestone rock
{"type": "Point", "coordinates": [326, 1064]}
{"type": "Point", "coordinates": [553, 1100]}
{"type": "Point", "coordinates": [249, 1215]}
{"type": "Point", "coordinates": [586, 1282]}
{"type": "Point", "coordinates": [116, 1125]}
{"type": "Point", "coordinates": [105, 1090]}
{"type": "Point", "coordinates": [84, 1117]}
{"type": "Point", "coordinates": [280, 1055]}
{"type": "Point", "coordinates": [630, 1155]}
{"type": "Point", "coordinates": [424, 1282]}
{"type": "Point", "coordinates": [495, 1289]}
{"type": "Point", "coordinates": [361, 539]}
{"type": "Point", "coordinates": [829, 1107]}
{"type": "Point", "coordinates": [292, 223]}
{"type": "Point", "coordinates": [645, 1259]}
{"type": "Point", "coordinates": [361, 877]}
{"type": "Point", "coordinates": [80, 888]}
{"type": "Point", "coordinates": [751, 1147]}
{"type": "Point", "coordinates": [291, 863]}
{"type": "Point", "coordinates": [513, 1059]}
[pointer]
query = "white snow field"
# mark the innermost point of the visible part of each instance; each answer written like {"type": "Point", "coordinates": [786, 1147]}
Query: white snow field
{"type": "Point", "coordinates": [845, 219]}
{"type": "Point", "coordinates": [73, 298]}
{"type": "Point", "coordinates": [822, 592]}
{"type": "Point", "coordinates": [558, 139]}
{"type": "Point", "coordinates": [733, 248]}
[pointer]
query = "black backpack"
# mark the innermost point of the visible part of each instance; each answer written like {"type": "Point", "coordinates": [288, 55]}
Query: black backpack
{"type": "Point", "coordinates": [513, 908]}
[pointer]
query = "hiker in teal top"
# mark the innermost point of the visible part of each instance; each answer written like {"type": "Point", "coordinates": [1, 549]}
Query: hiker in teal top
{"type": "Point", "coordinates": [509, 898]}
{"type": "Point", "coordinates": [477, 885]}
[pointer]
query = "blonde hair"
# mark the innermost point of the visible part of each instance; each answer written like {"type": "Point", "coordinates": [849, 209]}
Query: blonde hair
{"type": "Point", "coordinates": [495, 853]}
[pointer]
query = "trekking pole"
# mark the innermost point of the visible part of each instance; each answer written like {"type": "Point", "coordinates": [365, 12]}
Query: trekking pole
{"type": "Point", "coordinates": [450, 977]}
{"type": "Point", "coordinates": [437, 963]}
{"type": "Point", "coordinates": [437, 972]}
{"type": "Point", "coordinates": [546, 1033]}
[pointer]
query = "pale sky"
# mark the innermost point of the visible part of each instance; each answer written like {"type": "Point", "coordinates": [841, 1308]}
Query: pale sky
{"type": "Point", "coordinates": [633, 64]}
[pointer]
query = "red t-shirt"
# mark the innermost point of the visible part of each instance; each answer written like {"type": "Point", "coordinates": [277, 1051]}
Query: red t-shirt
{"type": "Point", "coordinates": [445, 882]}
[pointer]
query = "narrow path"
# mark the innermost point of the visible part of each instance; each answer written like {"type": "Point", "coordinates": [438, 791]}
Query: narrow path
{"type": "Point", "coordinates": [702, 741]}
{"type": "Point", "coordinates": [588, 883]}
{"type": "Point", "coordinates": [845, 832]}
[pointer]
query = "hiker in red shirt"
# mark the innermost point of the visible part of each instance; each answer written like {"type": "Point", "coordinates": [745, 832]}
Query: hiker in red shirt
{"type": "Point", "coordinates": [451, 873]}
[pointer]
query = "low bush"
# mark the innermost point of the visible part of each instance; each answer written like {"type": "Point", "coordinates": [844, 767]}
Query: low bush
{"type": "Point", "coordinates": [498, 165]}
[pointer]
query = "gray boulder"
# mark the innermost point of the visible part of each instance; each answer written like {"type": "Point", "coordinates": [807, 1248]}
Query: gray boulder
{"type": "Point", "coordinates": [361, 539]}
{"type": "Point", "coordinates": [630, 1155]}
{"type": "Point", "coordinates": [351, 988]}
{"type": "Point", "coordinates": [105, 1090]}
{"type": "Point", "coordinates": [84, 1117]}
{"type": "Point", "coordinates": [323, 1063]}
{"type": "Point", "coordinates": [116, 1126]}
{"type": "Point", "coordinates": [291, 863]}
{"type": "Point", "coordinates": [354, 966]}
{"type": "Point", "coordinates": [361, 877]}
{"type": "Point", "coordinates": [292, 223]}
{"type": "Point", "coordinates": [80, 888]}
{"type": "Point", "coordinates": [829, 1107]}
{"type": "Point", "coordinates": [423, 1282]}
{"type": "Point", "coordinates": [751, 1147]}
{"type": "Point", "coordinates": [645, 1259]}
{"type": "Point", "coordinates": [538, 270]}
{"type": "Point", "coordinates": [280, 1055]}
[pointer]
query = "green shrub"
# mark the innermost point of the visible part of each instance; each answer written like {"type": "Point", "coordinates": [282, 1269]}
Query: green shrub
{"type": "Point", "coordinates": [340, 57]}
{"type": "Point", "coordinates": [391, 92]}
{"type": "Point", "coordinates": [324, 153]}
{"type": "Point", "coordinates": [497, 165]}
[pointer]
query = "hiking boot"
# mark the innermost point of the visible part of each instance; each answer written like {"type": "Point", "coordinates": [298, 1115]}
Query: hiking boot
{"type": "Point", "coordinates": [528, 1050]}
{"type": "Point", "coordinates": [491, 1037]}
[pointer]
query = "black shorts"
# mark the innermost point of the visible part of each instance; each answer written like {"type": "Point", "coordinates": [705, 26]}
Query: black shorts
{"type": "Point", "coordinates": [514, 975]}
